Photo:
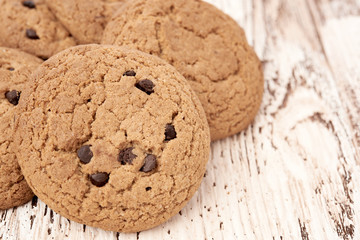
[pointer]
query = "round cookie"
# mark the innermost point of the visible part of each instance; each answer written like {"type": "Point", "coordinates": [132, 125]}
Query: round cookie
{"type": "Point", "coordinates": [31, 27]}
{"type": "Point", "coordinates": [84, 19]}
{"type": "Point", "coordinates": [15, 67]}
{"type": "Point", "coordinates": [203, 44]}
{"type": "Point", "coordinates": [112, 137]}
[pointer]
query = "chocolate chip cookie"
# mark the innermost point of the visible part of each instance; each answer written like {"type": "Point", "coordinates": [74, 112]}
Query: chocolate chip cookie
{"type": "Point", "coordinates": [203, 44]}
{"type": "Point", "coordinates": [31, 27]}
{"type": "Point", "coordinates": [84, 19]}
{"type": "Point", "coordinates": [15, 67]}
{"type": "Point", "coordinates": [112, 137]}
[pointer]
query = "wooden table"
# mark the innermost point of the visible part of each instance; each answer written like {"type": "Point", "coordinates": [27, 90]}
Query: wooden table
{"type": "Point", "coordinates": [293, 174]}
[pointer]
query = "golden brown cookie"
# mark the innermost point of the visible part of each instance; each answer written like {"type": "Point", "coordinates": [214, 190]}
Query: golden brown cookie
{"type": "Point", "coordinates": [31, 27]}
{"type": "Point", "coordinates": [15, 67]}
{"type": "Point", "coordinates": [112, 137]}
{"type": "Point", "coordinates": [203, 44]}
{"type": "Point", "coordinates": [84, 19]}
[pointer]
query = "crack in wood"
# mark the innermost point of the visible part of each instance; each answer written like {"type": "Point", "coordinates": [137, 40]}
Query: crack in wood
{"type": "Point", "coordinates": [34, 201]}
{"type": "Point", "coordinates": [303, 231]}
{"type": "Point", "coordinates": [346, 179]}
{"type": "Point", "coordinates": [51, 216]}
{"type": "Point", "coordinates": [32, 218]}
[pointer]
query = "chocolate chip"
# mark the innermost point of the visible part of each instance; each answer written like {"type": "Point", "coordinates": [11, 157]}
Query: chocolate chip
{"type": "Point", "coordinates": [126, 156]}
{"type": "Point", "coordinates": [11, 69]}
{"type": "Point", "coordinates": [28, 4]}
{"type": "Point", "coordinates": [130, 73]}
{"type": "Point", "coordinates": [31, 33]}
{"type": "Point", "coordinates": [148, 188]}
{"type": "Point", "coordinates": [170, 132]}
{"type": "Point", "coordinates": [85, 154]}
{"type": "Point", "coordinates": [146, 86]}
{"type": "Point", "coordinates": [99, 179]}
{"type": "Point", "coordinates": [149, 164]}
{"type": "Point", "coordinates": [13, 97]}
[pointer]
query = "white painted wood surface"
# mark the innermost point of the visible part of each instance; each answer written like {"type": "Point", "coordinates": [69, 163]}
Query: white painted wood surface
{"type": "Point", "coordinates": [293, 174]}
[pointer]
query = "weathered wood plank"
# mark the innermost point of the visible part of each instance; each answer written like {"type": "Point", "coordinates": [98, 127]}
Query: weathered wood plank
{"type": "Point", "coordinates": [293, 174]}
{"type": "Point", "coordinates": [311, 122]}
{"type": "Point", "coordinates": [338, 25]}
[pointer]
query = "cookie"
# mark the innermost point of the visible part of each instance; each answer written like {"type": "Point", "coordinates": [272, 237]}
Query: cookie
{"type": "Point", "coordinates": [112, 137]}
{"type": "Point", "coordinates": [31, 27]}
{"type": "Point", "coordinates": [84, 19]}
{"type": "Point", "coordinates": [203, 44]}
{"type": "Point", "coordinates": [15, 67]}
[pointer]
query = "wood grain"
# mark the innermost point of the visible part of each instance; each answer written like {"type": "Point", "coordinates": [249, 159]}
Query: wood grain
{"type": "Point", "coordinates": [294, 173]}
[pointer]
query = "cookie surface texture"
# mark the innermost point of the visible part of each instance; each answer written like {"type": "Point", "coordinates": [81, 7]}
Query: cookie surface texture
{"type": "Point", "coordinates": [31, 27]}
{"type": "Point", "coordinates": [15, 67]}
{"type": "Point", "coordinates": [84, 19]}
{"type": "Point", "coordinates": [203, 44]}
{"type": "Point", "coordinates": [114, 138]}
